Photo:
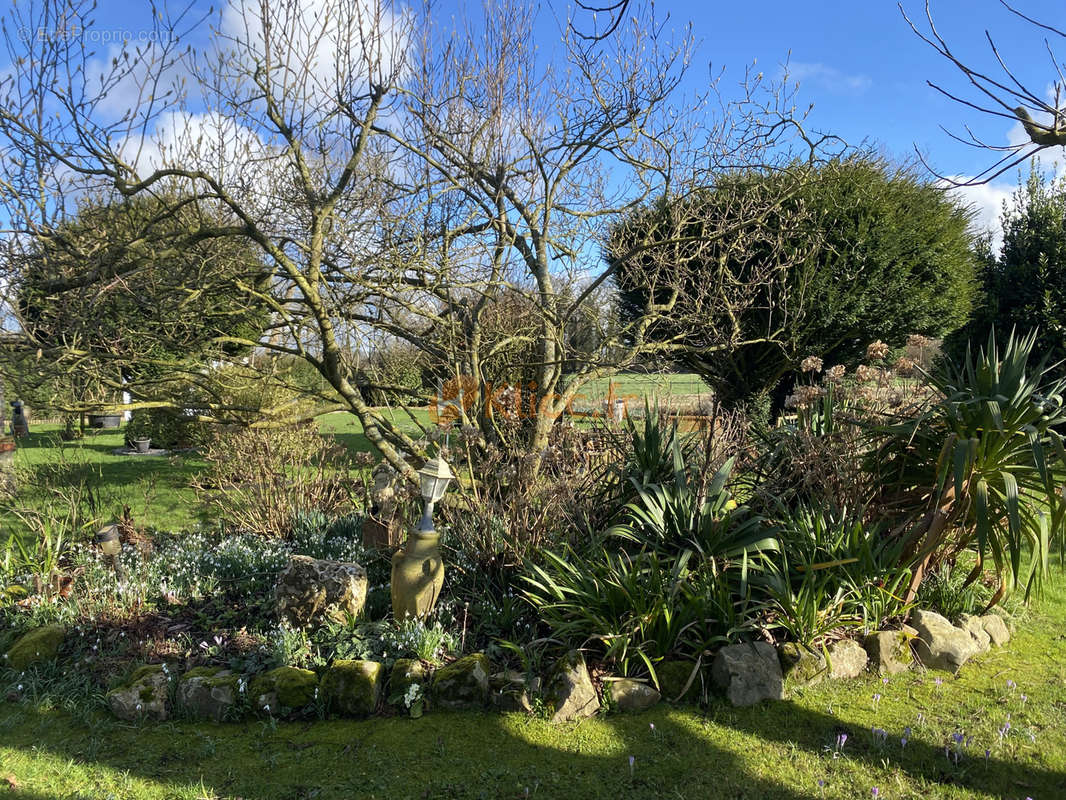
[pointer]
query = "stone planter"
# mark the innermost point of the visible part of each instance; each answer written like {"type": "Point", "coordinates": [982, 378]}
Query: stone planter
{"type": "Point", "coordinates": [142, 445]}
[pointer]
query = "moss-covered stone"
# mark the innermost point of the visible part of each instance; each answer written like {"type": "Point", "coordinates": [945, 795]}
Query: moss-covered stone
{"type": "Point", "coordinates": [145, 694]}
{"type": "Point", "coordinates": [36, 646]}
{"type": "Point", "coordinates": [353, 688]}
{"type": "Point", "coordinates": [405, 673]}
{"type": "Point", "coordinates": [209, 693]}
{"type": "Point", "coordinates": [674, 677]}
{"type": "Point", "coordinates": [283, 688]}
{"type": "Point", "coordinates": [800, 666]}
{"type": "Point", "coordinates": [463, 683]}
{"type": "Point", "coordinates": [631, 696]}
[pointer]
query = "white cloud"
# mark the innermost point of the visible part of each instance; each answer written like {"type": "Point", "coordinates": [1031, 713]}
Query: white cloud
{"type": "Point", "coordinates": [987, 200]}
{"type": "Point", "coordinates": [830, 78]}
{"type": "Point", "coordinates": [320, 49]}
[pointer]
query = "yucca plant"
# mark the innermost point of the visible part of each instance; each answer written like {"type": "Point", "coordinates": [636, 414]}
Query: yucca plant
{"type": "Point", "coordinates": [982, 468]}
{"type": "Point", "coordinates": [634, 610]}
{"type": "Point", "coordinates": [684, 515]}
{"type": "Point", "coordinates": [853, 563]}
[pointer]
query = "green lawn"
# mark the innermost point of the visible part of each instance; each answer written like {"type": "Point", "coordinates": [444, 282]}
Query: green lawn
{"type": "Point", "coordinates": [780, 750]}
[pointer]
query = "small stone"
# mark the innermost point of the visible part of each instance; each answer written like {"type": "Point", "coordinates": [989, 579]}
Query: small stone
{"type": "Point", "coordinates": [847, 659]}
{"type": "Point", "coordinates": [145, 694]}
{"type": "Point", "coordinates": [283, 689]}
{"type": "Point", "coordinates": [353, 688]}
{"type": "Point", "coordinates": [571, 689]}
{"type": "Point", "coordinates": [509, 691]}
{"type": "Point", "coordinates": [996, 628]}
{"type": "Point", "coordinates": [940, 645]}
{"type": "Point", "coordinates": [463, 683]}
{"type": "Point", "coordinates": [976, 628]}
{"type": "Point", "coordinates": [890, 651]}
{"type": "Point", "coordinates": [633, 696]}
{"type": "Point", "coordinates": [801, 666]}
{"type": "Point", "coordinates": [207, 693]}
{"type": "Point", "coordinates": [311, 590]}
{"type": "Point", "coordinates": [748, 673]}
{"type": "Point", "coordinates": [407, 672]}
{"type": "Point", "coordinates": [36, 646]}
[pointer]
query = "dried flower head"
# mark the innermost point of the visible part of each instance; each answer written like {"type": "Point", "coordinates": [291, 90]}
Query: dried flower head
{"type": "Point", "coordinates": [876, 351]}
{"type": "Point", "coordinates": [865, 373]}
{"type": "Point", "coordinates": [811, 364]}
{"type": "Point", "coordinates": [904, 366]}
{"type": "Point", "coordinates": [835, 373]}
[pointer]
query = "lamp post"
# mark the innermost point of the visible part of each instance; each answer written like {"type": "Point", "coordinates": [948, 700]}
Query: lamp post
{"type": "Point", "coordinates": [110, 541]}
{"type": "Point", "coordinates": [417, 568]}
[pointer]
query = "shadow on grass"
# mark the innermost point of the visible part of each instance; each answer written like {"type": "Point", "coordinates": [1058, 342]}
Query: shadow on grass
{"type": "Point", "coordinates": [771, 751]}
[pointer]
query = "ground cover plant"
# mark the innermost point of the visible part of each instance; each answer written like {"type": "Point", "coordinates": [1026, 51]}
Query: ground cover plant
{"type": "Point", "coordinates": [912, 735]}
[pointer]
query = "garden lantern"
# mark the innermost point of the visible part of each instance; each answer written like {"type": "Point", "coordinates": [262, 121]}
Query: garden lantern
{"type": "Point", "coordinates": [417, 568]}
{"type": "Point", "coordinates": [435, 477]}
{"type": "Point", "coordinates": [109, 540]}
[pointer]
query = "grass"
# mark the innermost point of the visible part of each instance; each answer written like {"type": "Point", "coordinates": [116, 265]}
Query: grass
{"type": "Point", "coordinates": [778, 750]}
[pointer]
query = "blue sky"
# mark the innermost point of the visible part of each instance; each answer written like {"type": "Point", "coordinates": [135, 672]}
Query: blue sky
{"type": "Point", "coordinates": [857, 62]}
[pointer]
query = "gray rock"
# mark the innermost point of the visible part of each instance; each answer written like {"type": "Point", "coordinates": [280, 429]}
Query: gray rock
{"type": "Point", "coordinates": [748, 673]}
{"type": "Point", "coordinates": [463, 683]}
{"type": "Point", "coordinates": [310, 590]}
{"type": "Point", "coordinates": [283, 689]}
{"type": "Point", "coordinates": [996, 629]}
{"type": "Point", "coordinates": [633, 696]}
{"type": "Point", "coordinates": [208, 693]}
{"type": "Point", "coordinates": [800, 666]}
{"type": "Point", "coordinates": [847, 659]}
{"type": "Point", "coordinates": [510, 691]}
{"type": "Point", "coordinates": [145, 694]}
{"type": "Point", "coordinates": [571, 689]}
{"type": "Point", "coordinates": [890, 651]}
{"type": "Point", "coordinates": [407, 672]}
{"type": "Point", "coordinates": [353, 688]}
{"type": "Point", "coordinates": [976, 628]}
{"type": "Point", "coordinates": [940, 645]}
{"type": "Point", "coordinates": [34, 647]}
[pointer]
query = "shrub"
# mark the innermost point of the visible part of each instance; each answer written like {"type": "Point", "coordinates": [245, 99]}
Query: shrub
{"type": "Point", "coordinates": [853, 245]}
{"type": "Point", "coordinates": [167, 428]}
{"type": "Point", "coordinates": [259, 479]}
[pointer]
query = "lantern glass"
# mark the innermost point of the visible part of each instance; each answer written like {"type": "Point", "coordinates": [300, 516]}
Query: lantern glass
{"type": "Point", "coordinates": [435, 477]}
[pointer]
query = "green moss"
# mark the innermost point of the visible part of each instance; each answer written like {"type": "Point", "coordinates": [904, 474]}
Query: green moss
{"type": "Point", "coordinates": [800, 666]}
{"type": "Point", "coordinates": [463, 683]}
{"type": "Point", "coordinates": [405, 672]}
{"type": "Point", "coordinates": [288, 687]}
{"type": "Point", "coordinates": [41, 644]}
{"type": "Point", "coordinates": [142, 672]}
{"type": "Point", "coordinates": [202, 672]}
{"type": "Point", "coordinates": [352, 688]}
{"type": "Point", "coordinates": [673, 675]}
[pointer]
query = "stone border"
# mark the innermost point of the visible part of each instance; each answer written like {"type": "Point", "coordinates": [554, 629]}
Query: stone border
{"type": "Point", "coordinates": [745, 674]}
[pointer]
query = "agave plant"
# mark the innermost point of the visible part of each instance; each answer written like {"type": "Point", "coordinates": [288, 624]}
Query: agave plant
{"type": "Point", "coordinates": [982, 468]}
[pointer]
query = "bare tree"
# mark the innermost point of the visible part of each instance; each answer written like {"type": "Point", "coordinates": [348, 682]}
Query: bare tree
{"type": "Point", "coordinates": [1004, 95]}
{"type": "Point", "coordinates": [402, 181]}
